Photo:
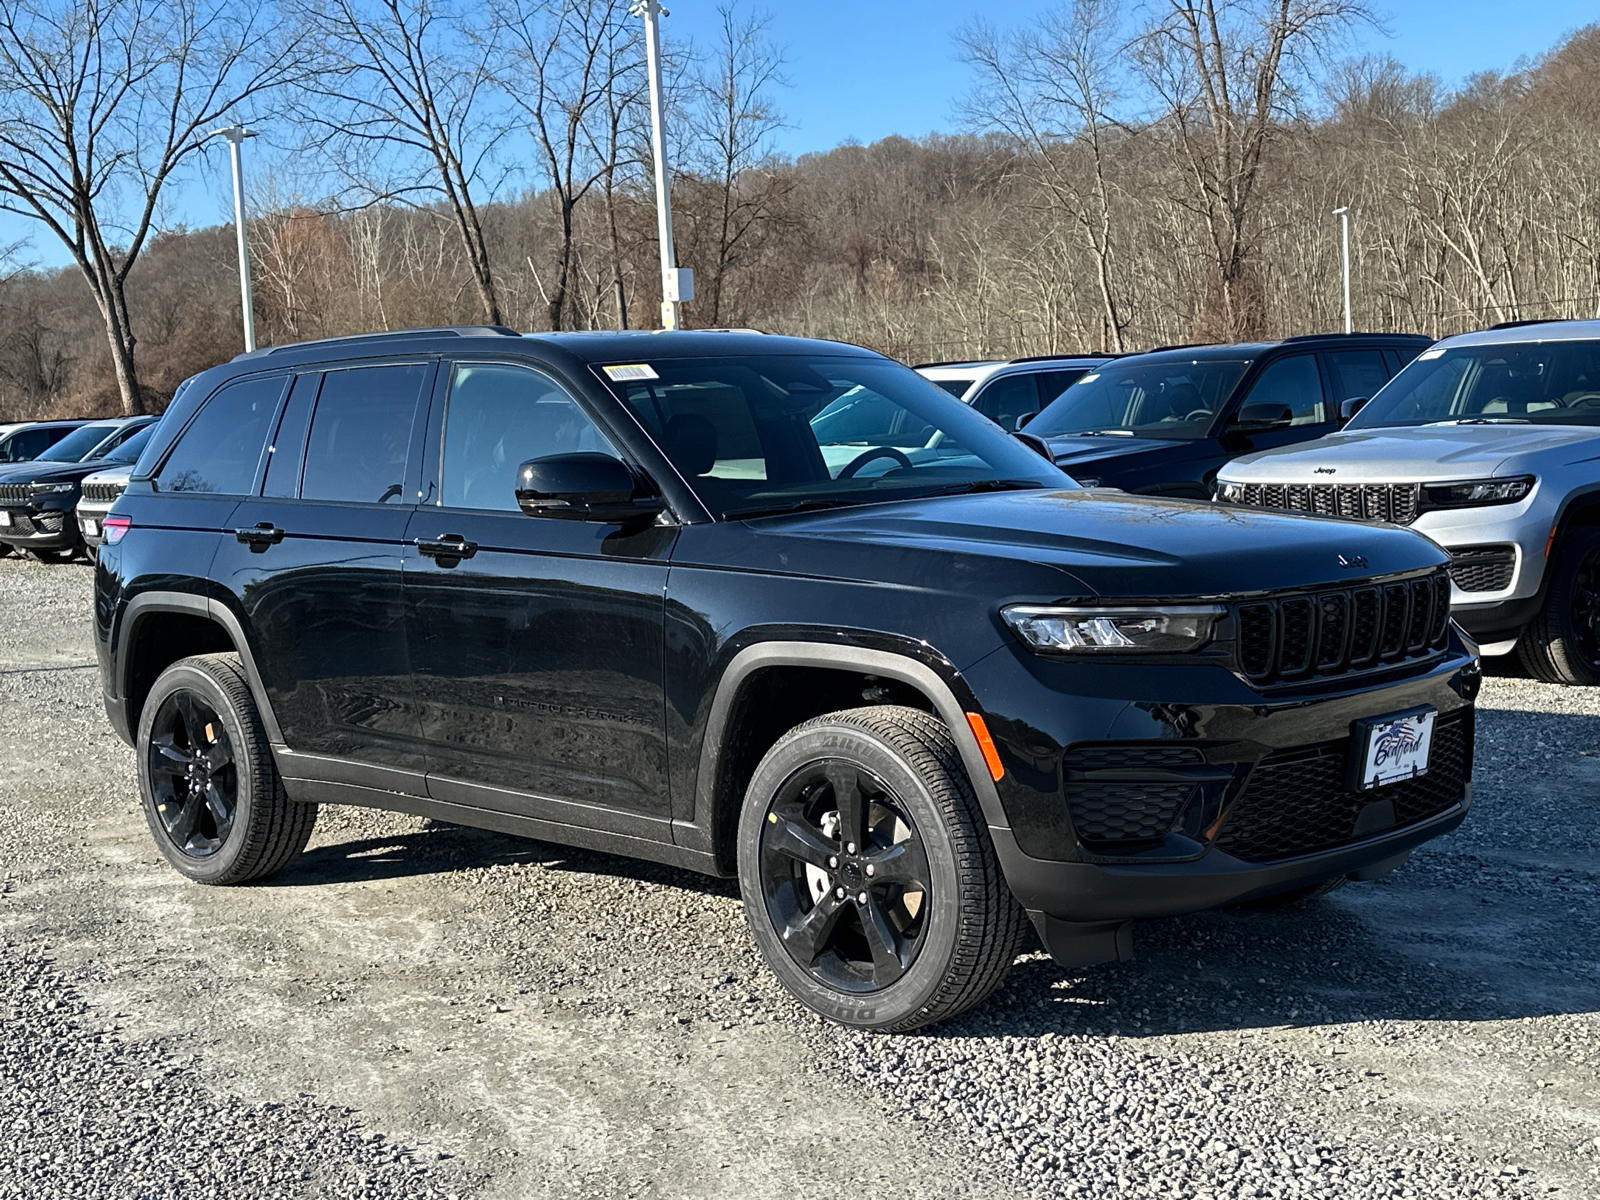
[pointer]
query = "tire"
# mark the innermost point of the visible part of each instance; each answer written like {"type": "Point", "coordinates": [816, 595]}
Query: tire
{"type": "Point", "coordinates": [1562, 643]}
{"type": "Point", "coordinates": [943, 942]}
{"type": "Point", "coordinates": [222, 817]}
{"type": "Point", "coordinates": [1297, 898]}
{"type": "Point", "coordinates": [5, 550]}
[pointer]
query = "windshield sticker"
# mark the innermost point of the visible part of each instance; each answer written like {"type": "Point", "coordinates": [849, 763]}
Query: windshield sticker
{"type": "Point", "coordinates": [629, 372]}
{"type": "Point", "coordinates": [1427, 354]}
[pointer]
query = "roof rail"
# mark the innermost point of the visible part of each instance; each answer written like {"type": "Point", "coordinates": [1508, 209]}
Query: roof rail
{"type": "Point", "coordinates": [959, 362]}
{"type": "Point", "coordinates": [1536, 321]}
{"type": "Point", "coordinates": [1177, 346]}
{"type": "Point", "coordinates": [387, 335]}
{"type": "Point", "coordinates": [1057, 357]}
{"type": "Point", "coordinates": [1310, 337]}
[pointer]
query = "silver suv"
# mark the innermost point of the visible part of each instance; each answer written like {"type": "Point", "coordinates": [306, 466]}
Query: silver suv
{"type": "Point", "coordinates": [1489, 443]}
{"type": "Point", "coordinates": [1011, 392]}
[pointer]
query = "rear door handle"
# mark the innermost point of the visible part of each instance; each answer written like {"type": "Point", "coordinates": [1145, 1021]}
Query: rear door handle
{"type": "Point", "coordinates": [447, 545]}
{"type": "Point", "coordinates": [260, 536]}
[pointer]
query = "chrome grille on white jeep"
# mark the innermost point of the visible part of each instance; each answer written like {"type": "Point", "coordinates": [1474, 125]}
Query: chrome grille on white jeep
{"type": "Point", "coordinates": [102, 493]}
{"type": "Point", "coordinates": [1393, 502]}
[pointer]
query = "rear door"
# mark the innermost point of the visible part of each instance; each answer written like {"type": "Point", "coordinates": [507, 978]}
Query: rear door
{"type": "Point", "coordinates": [315, 561]}
{"type": "Point", "coordinates": [538, 650]}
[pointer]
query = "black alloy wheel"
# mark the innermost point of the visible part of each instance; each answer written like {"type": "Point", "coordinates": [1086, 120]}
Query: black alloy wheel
{"type": "Point", "coordinates": [1562, 643]}
{"type": "Point", "coordinates": [194, 780]}
{"type": "Point", "coordinates": [844, 876]}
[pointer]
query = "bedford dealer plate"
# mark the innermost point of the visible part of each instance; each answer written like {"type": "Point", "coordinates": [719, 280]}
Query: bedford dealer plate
{"type": "Point", "coordinates": [90, 527]}
{"type": "Point", "coordinates": [1391, 748]}
{"type": "Point", "coordinates": [5, 519]}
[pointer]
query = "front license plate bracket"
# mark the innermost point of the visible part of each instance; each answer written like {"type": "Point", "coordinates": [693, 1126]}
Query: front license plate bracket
{"type": "Point", "coordinates": [1391, 748]}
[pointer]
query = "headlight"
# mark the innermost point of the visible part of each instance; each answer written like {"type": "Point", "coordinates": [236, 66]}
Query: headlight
{"type": "Point", "coordinates": [1478, 491]}
{"type": "Point", "coordinates": [1155, 629]}
{"type": "Point", "coordinates": [50, 489]}
{"type": "Point", "coordinates": [1230, 493]}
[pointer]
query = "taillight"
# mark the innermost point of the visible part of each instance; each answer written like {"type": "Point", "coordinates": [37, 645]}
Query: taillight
{"type": "Point", "coordinates": [114, 527]}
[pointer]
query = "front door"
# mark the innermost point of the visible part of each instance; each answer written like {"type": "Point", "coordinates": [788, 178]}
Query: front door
{"type": "Point", "coordinates": [537, 649]}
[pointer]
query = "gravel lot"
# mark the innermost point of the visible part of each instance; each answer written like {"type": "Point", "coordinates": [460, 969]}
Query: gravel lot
{"type": "Point", "coordinates": [420, 1010]}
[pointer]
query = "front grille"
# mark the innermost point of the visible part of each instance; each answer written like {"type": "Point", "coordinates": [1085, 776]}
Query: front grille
{"type": "Point", "coordinates": [13, 493]}
{"type": "Point", "coordinates": [1331, 631]}
{"type": "Point", "coordinates": [1483, 568]}
{"type": "Point", "coordinates": [1111, 803]}
{"type": "Point", "coordinates": [102, 493]}
{"type": "Point", "coordinates": [1393, 502]}
{"type": "Point", "coordinates": [1296, 801]}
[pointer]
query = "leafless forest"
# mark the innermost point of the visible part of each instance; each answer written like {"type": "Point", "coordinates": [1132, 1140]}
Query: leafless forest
{"type": "Point", "coordinates": [1120, 179]}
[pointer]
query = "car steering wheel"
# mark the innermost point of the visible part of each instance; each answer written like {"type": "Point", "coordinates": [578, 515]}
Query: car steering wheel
{"type": "Point", "coordinates": [861, 460]}
{"type": "Point", "coordinates": [1197, 414]}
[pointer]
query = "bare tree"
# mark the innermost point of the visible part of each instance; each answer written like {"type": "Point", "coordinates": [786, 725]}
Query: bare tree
{"type": "Point", "coordinates": [402, 101]}
{"type": "Point", "coordinates": [1052, 88]}
{"type": "Point", "coordinates": [1225, 72]}
{"type": "Point", "coordinates": [101, 103]}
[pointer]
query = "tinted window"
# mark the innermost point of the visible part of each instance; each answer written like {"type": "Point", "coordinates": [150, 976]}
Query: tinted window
{"type": "Point", "coordinates": [360, 433]}
{"type": "Point", "coordinates": [28, 444]}
{"type": "Point", "coordinates": [499, 416]}
{"type": "Point", "coordinates": [219, 452]}
{"type": "Point", "coordinates": [1053, 383]}
{"type": "Point", "coordinates": [79, 442]}
{"type": "Point", "coordinates": [1357, 373]}
{"type": "Point", "coordinates": [956, 387]}
{"type": "Point", "coordinates": [129, 451]}
{"type": "Point", "coordinates": [767, 433]}
{"type": "Point", "coordinates": [1296, 383]}
{"type": "Point", "coordinates": [283, 455]}
{"type": "Point", "coordinates": [1169, 399]}
{"type": "Point", "coordinates": [1548, 383]}
{"type": "Point", "coordinates": [1006, 400]}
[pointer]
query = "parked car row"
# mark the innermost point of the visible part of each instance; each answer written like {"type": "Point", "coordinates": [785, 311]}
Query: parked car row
{"type": "Point", "coordinates": [40, 494]}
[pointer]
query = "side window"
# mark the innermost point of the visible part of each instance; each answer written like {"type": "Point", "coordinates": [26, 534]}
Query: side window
{"type": "Point", "coordinates": [360, 433]}
{"type": "Point", "coordinates": [283, 455]}
{"type": "Point", "coordinates": [1053, 383]}
{"type": "Point", "coordinates": [1356, 373]}
{"type": "Point", "coordinates": [27, 444]}
{"type": "Point", "coordinates": [220, 450]}
{"type": "Point", "coordinates": [1007, 399]}
{"type": "Point", "coordinates": [499, 416]}
{"type": "Point", "coordinates": [1293, 381]}
{"type": "Point", "coordinates": [1402, 357]}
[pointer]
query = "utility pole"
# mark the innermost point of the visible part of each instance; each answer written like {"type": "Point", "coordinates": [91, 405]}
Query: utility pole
{"type": "Point", "coordinates": [1344, 220]}
{"type": "Point", "coordinates": [677, 285]}
{"type": "Point", "coordinates": [236, 135]}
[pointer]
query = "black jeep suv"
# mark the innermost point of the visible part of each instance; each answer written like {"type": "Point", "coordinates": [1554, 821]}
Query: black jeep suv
{"type": "Point", "coordinates": [629, 591]}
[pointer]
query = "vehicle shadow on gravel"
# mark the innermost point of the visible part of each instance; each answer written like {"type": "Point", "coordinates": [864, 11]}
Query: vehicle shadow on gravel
{"type": "Point", "coordinates": [440, 848]}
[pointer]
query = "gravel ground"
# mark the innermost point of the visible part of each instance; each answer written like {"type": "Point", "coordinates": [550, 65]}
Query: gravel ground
{"type": "Point", "coordinates": [520, 1019]}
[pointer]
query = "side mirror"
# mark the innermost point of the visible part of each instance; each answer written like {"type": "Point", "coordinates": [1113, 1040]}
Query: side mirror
{"type": "Point", "coordinates": [1351, 407]}
{"type": "Point", "coordinates": [582, 487]}
{"type": "Point", "coordinates": [1263, 418]}
{"type": "Point", "coordinates": [1037, 444]}
{"type": "Point", "coordinates": [1022, 421]}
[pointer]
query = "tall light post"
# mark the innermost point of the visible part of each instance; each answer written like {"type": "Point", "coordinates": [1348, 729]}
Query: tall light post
{"type": "Point", "coordinates": [1344, 220]}
{"type": "Point", "coordinates": [677, 285]}
{"type": "Point", "coordinates": [236, 135]}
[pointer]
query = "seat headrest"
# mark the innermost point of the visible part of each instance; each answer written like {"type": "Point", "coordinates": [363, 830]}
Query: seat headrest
{"type": "Point", "coordinates": [692, 443]}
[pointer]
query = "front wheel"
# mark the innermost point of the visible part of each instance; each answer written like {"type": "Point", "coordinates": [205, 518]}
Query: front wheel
{"type": "Point", "coordinates": [1562, 643]}
{"type": "Point", "coordinates": [868, 877]}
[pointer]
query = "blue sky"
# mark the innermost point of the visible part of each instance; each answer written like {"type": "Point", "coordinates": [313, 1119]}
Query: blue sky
{"type": "Point", "coordinates": [865, 69]}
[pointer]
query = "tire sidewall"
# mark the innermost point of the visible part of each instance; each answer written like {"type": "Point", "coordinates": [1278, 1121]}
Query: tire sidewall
{"type": "Point", "coordinates": [922, 982]}
{"type": "Point", "coordinates": [218, 867]}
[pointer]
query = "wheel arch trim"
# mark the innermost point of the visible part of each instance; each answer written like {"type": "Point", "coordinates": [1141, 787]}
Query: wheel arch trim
{"type": "Point", "coordinates": [148, 604]}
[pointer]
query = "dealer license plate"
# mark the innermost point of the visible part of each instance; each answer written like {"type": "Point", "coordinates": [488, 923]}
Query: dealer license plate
{"type": "Point", "coordinates": [1391, 748]}
{"type": "Point", "coordinates": [90, 527]}
{"type": "Point", "coordinates": [5, 519]}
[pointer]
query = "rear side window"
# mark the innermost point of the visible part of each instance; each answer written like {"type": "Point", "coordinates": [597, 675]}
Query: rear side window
{"type": "Point", "coordinates": [1007, 400]}
{"type": "Point", "coordinates": [360, 433]}
{"type": "Point", "coordinates": [27, 444]}
{"type": "Point", "coordinates": [220, 450]}
{"type": "Point", "coordinates": [283, 455]}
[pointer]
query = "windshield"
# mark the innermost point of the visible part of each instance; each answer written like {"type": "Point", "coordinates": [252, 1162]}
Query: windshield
{"type": "Point", "coordinates": [129, 450]}
{"type": "Point", "coordinates": [773, 433]}
{"type": "Point", "coordinates": [77, 444]}
{"type": "Point", "coordinates": [1542, 383]}
{"type": "Point", "coordinates": [1172, 399]}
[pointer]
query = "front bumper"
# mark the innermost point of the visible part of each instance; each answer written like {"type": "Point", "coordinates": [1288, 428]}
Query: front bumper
{"type": "Point", "coordinates": [1499, 602]}
{"type": "Point", "coordinates": [39, 529]}
{"type": "Point", "coordinates": [89, 518]}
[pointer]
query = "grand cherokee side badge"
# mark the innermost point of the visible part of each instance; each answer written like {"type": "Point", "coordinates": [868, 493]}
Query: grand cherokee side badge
{"type": "Point", "coordinates": [1352, 560]}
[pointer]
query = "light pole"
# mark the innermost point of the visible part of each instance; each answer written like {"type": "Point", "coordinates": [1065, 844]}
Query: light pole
{"type": "Point", "coordinates": [1344, 220]}
{"type": "Point", "coordinates": [236, 135]}
{"type": "Point", "coordinates": [677, 285]}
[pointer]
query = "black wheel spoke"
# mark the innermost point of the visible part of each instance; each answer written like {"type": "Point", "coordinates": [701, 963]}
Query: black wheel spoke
{"type": "Point", "coordinates": [218, 756]}
{"type": "Point", "coordinates": [193, 725]}
{"type": "Point", "coordinates": [807, 936]}
{"type": "Point", "coordinates": [798, 842]}
{"type": "Point", "coordinates": [882, 941]}
{"type": "Point", "coordinates": [221, 810]}
{"type": "Point", "coordinates": [172, 756]}
{"type": "Point", "coordinates": [193, 773]}
{"type": "Point", "coordinates": [903, 863]}
{"type": "Point", "coordinates": [846, 785]}
{"type": "Point", "coordinates": [183, 826]}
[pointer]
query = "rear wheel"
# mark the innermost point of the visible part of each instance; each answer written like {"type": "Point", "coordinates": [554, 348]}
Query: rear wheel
{"type": "Point", "coordinates": [1562, 643]}
{"type": "Point", "coordinates": [867, 872]}
{"type": "Point", "coordinates": [210, 789]}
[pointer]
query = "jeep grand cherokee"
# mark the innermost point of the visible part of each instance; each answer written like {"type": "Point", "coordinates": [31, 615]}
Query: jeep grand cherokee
{"type": "Point", "coordinates": [636, 592]}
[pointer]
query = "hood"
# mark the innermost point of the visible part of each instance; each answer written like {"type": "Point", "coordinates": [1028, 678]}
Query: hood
{"type": "Point", "coordinates": [1075, 450]}
{"type": "Point", "coordinates": [1419, 454]}
{"type": "Point", "coordinates": [53, 472]}
{"type": "Point", "coordinates": [1052, 545]}
{"type": "Point", "coordinates": [111, 475]}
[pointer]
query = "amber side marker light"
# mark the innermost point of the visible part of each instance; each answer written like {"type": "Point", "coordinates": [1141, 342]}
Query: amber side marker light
{"type": "Point", "coordinates": [997, 769]}
{"type": "Point", "coordinates": [1549, 542]}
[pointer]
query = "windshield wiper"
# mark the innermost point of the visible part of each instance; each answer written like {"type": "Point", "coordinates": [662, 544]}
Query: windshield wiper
{"type": "Point", "coordinates": [740, 514]}
{"type": "Point", "coordinates": [1484, 421]}
{"type": "Point", "coordinates": [984, 485]}
{"type": "Point", "coordinates": [1090, 433]}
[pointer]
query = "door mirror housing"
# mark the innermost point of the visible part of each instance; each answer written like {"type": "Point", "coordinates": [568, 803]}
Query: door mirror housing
{"type": "Point", "coordinates": [583, 487]}
{"type": "Point", "coordinates": [1351, 407]}
{"type": "Point", "coordinates": [1263, 418]}
{"type": "Point", "coordinates": [1022, 421]}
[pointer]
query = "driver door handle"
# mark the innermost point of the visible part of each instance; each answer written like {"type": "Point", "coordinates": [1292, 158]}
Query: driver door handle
{"type": "Point", "coordinates": [260, 536]}
{"type": "Point", "coordinates": [447, 545]}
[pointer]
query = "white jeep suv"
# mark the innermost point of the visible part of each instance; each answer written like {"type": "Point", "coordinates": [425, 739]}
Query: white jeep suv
{"type": "Point", "coordinates": [1488, 443]}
